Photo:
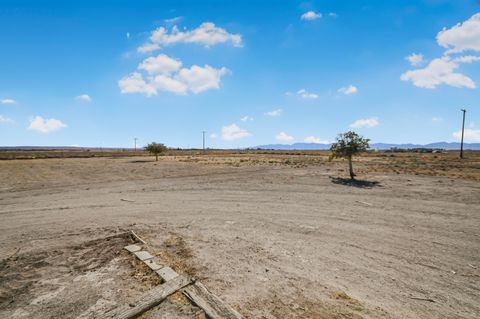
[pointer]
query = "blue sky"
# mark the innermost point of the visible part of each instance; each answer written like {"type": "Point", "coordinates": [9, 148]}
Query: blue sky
{"type": "Point", "coordinates": [99, 73]}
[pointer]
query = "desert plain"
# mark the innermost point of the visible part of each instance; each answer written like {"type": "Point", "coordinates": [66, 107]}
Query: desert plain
{"type": "Point", "coordinates": [273, 234]}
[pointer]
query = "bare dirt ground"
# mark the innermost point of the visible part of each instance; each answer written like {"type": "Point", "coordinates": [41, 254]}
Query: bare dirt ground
{"type": "Point", "coordinates": [274, 235]}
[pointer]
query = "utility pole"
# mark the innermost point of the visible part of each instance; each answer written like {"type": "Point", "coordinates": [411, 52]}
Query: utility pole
{"type": "Point", "coordinates": [203, 133]}
{"type": "Point", "coordinates": [463, 129]}
{"type": "Point", "coordinates": [135, 143]}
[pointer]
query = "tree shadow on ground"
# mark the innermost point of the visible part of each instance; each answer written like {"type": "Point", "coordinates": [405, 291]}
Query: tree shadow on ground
{"type": "Point", "coordinates": [355, 182]}
{"type": "Point", "coordinates": [142, 161]}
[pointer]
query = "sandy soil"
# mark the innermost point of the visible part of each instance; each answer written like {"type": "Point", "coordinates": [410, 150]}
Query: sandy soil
{"type": "Point", "coordinates": [273, 241]}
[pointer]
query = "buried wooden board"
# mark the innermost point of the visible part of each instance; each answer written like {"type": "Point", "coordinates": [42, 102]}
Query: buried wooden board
{"type": "Point", "coordinates": [148, 300]}
{"type": "Point", "coordinates": [211, 304]}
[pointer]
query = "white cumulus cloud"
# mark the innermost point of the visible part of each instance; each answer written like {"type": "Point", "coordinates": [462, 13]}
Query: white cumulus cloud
{"type": "Point", "coordinates": [415, 59]}
{"type": "Point", "coordinates": [168, 84]}
{"type": "Point", "coordinates": [134, 83]}
{"type": "Point", "coordinates": [274, 113]}
{"type": "Point", "coordinates": [7, 101]}
{"type": "Point", "coordinates": [462, 37]}
{"type": "Point", "coordinates": [233, 132]}
{"type": "Point", "coordinates": [161, 64]}
{"type": "Point", "coordinates": [213, 136]}
{"type": "Point", "coordinates": [351, 89]}
{"type": "Point", "coordinates": [166, 74]}
{"type": "Point", "coordinates": [316, 140]}
{"type": "Point", "coordinates": [84, 98]}
{"type": "Point", "coordinates": [200, 79]}
{"type": "Point", "coordinates": [42, 125]}
{"type": "Point", "coordinates": [206, 34]}
{"type": "Point", "coordinates": [284, 137]}
{"type": "Point", "coordinates": [438, 71]}
{"type": "Point", "coordinates": [306, 95]}
{"type": "Point", "coordinates": [471, 134]}
{"type": "Point", "coordinates": [365, 123]}
{"type": "Point", "coordinates": [310, 15]}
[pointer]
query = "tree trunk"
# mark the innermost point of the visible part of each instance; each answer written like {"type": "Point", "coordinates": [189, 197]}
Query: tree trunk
{"type": "Point", "coordinates": [156, 157]}
{"type": "Point", "coordinates": [350, 166]}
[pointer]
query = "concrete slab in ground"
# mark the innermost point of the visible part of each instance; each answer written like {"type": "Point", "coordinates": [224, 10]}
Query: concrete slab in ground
{"type": "Point", "coordinates": [133, 248]}
{"type": "Point", "coordinates": [152, 264]}
{"type": "Point", "coordinates": [166, 273]}
{"type": "Point", "coordinates": [143, 255]}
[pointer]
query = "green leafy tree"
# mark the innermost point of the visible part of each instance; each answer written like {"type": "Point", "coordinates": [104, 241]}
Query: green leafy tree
{"type": "Point", "coordinates": [156, 148]}
{"type": "Point", "coordinates": [347, 145]}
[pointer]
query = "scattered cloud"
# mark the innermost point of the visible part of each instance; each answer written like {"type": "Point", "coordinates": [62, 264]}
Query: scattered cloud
{"type": "Point", "coordinates": [206, 34]}
{"type": "Point", "coordinates": [173, 20]}
{"type": "Point", "coordinates": [161, 64]}
{"type": "Point", "coordinates": [462, 37]}
{"type": "Point", "coordinates": [351, 89]}
{"type": "Point", "coordinates": [437, 119]}
{"type": "Point", "coordinates": [365, 123]}
{"type": "Point", "coordinates": [42, 125]}
{"type": "Point", "coordinates": [415, 59]}
{"type": "Point", "coordinates": [200, 79]}
{"type": "Point", "coordinates": [471, 134]}
{"type": "Point", "coordinates": [84, 98]}
{"type": "Point", "coordinates": [127, 35]}
{"type": "Point", "coordinates": [284, 137]}
{"type": "Point", "coordinates": [310, 15]}
{"type": "Point", "coordinates": [332, 14]}
{"type": "Point", "coordinates": [134, 83]}
{"type": "Point", "coordinates": [316, 140]}
{"type": "Point", "coordinates": [274, 113]}
{"type": "Point", "coordinates": [148, 47]}
{"type": "Point", "coordinates": [213, 136]}
{"type": "Point", "coordinates": [233, 132]}
{"type": "Point", "coordinates": [246, 118]}
{"type": "Point", "coordinates": [307, 95]}
{"type": "Point", "coordinates": [467, 59]}
{"type": "Point", "coordinates": [165, 74]}
{"type": "Point", "coordinates": [6, 120]}
{"type": "Point", "coordinates": [7, 101]}
{"type": "Point", "coordinates": [438, 71]}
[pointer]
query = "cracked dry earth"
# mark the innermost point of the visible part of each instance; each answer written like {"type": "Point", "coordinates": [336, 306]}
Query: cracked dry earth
{"type": "Point", "coordinates": [273, 242]}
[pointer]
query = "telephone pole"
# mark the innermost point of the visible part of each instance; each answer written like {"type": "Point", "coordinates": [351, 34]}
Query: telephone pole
{"type": "Point", "coordinates": [203, 133]}
{"type": "Point", "coordinates": [463, 129]}
{"type": "Point", "coordinates": [135, 143]}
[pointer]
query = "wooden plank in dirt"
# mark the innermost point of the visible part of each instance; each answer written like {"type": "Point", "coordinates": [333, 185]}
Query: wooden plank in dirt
{"type": "Point", "coordinates": [167, 273]}
{"type": "Point", "coordinates": [133, 248]}
{"type": "Point", "coordinates": [211, 304]}
{"type": "Point", "coordinates": [148, 300]}
{"type": "Point", "coordinates": [143, 255]}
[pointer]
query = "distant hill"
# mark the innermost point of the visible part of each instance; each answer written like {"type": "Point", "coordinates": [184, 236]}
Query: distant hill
{"type": "Point", "coordinates": [380, 146]}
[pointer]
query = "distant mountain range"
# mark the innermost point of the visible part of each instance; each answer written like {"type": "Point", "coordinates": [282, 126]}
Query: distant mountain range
{"type": "Point", "coordinates": [380, 146]}
{"type": "Point", "coordinates": [295, 146]}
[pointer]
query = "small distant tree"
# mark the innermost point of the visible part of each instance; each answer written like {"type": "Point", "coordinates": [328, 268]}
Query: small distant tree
{"type": "Point", "coordinates": [156, 148]}
{"type": "Point", "coordinates": [347, 145]}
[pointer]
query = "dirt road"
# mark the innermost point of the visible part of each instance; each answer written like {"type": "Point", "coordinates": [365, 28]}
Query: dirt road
{"type": "Point", "coordinates": [272, 241]}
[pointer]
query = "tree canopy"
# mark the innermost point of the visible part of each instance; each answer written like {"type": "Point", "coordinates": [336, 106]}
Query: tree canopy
{"type": "Point", "coordinates": [348, 144]}
{"type": "Point", "coordinates": [156, 149]}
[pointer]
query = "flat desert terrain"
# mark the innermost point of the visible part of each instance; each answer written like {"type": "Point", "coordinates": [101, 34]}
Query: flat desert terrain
{"type": "Point", "coordinates": [274, 235]}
